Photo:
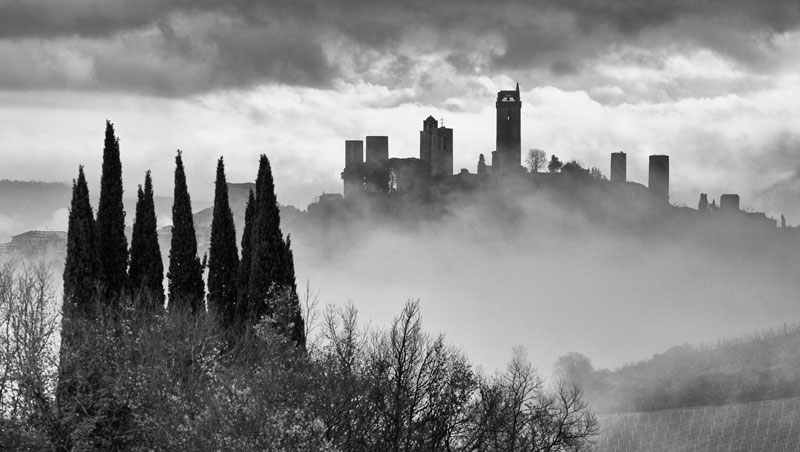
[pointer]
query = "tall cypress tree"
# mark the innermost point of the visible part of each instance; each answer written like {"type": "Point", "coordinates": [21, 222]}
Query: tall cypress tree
{"type": "Point", "coordinates": [82, 266]}
{"type": "Point", "coordinates": [81, 284]}
{"type": "Point", "coordinates": [243, 278]}
{"type": "Point", "coordinates": [223, 255]}
{"type": "Point", "coordinates": [272, 265]}
{"type": "Point", "coordinates": [146, 273]}
{"type": "Point", "coordinates": [296, 329]}
{"type": "Point", "coordinates": [112, 244]}
{"type": "Point", "coordinates": [266, 244]}
{"type": "Point", "coordinates": [185, 275]}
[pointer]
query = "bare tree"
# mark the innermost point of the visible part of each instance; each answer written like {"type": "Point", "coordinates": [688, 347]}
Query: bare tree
{"type": "Point", "coordinates": [28, 363]}
{"type": "Point", "coordinates": [536, 160]}
{"type": "Point", "coordinates": [515, 413]}
{"type": "Point", "coordinates": [309, 310]}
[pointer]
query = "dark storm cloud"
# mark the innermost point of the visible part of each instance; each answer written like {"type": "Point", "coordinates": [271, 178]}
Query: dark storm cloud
{"type": "Point", "coordinates": [178, 47]}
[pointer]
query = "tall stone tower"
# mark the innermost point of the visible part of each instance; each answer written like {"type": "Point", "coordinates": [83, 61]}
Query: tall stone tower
{"type": "Point", "coordinates": [436, 148]}
{"type": "Point", "coordinates": [377, 149]}
{"type": "Point", "coordinates": [619, 167]}
{"type": "Point", "coordinates": [509, 147]}
{"type": "Point", "coordinates": [658, 180]}
{"type": "Point", "coordinates": [353, 157]}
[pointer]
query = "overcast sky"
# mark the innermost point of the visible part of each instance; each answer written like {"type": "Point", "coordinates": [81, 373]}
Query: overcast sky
{"type": "Point", "coordinates": [714, 84]}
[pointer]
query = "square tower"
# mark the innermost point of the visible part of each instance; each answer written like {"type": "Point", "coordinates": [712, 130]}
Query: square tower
{"type": "Point", "coordinates": [377, 149]}
{"type": "Point", "coordinates": [508, 143]}
{"type": "Point", "coordinates": [658, 180]}
{"type": "Point", "coordinates": [436, 148]}
{"type": "Point", "coordinates": [619, 167]}
{"type": "Point", "coordinates": [353, 159]}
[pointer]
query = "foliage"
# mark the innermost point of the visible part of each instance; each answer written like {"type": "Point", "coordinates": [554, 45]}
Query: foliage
{"type": "Point", "coordinates": [146, 272]}
{"type": "Point", "coordinates": [111, 240]}
{"type": "Point", "coordinates": [223, 262]}
{"type": "Point", "coordinates": [186, 288]}
{"type": "Point", "coordinates": [555, 164]}
{"type": "Point", "coordinates": [597, 173]}
{"type": "Point", "coordinates": [402, 389]}
{"type": "Point", "coordinates": [82, 264]}
{"type": "Point", "coordinates": [573, 167]}
{"type": "Point", "coordinates": [761, 367]}
{"type": "Point", "coordinates": [243, 277]}
{"type": "Point", "coordinates": [515, 413]}
{"type": "Point", "coordinates": [271, 259]}
{"type": "Point", "coordinates": [573, 369]}
{"type": "Point", "coordinates": [140, 381]}
{"type": "Point", "coordinates": [170, 382]}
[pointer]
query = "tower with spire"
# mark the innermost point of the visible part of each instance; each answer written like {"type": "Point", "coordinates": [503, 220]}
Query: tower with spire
{"type": "Point", "coordinates": [508, 142]}
{"type": "Point", "coordinates": [436, 148]}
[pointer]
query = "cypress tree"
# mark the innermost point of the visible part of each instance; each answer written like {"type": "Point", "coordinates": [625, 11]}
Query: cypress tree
{"type": "Point", "coordinates": [111, 241]}
{"type": "Point", "coordinates": [243, 278]}
{"type": "Point", "coordinates": [82, 265]}
{"type": "Point", "coordinates": [296, 325]}
{"type": "Point", "coordinates": [266, 244]}
{"type": "Point", "coordinates": [146, 273]}
{"type": "Point", "coordinates": [223, 260]}
{"type": "Point", "coordinates": [272, 263]}
{"type": "Point", "coordinates": [185, 275]}
{"type": "Point", "coordinates": [81, 283]}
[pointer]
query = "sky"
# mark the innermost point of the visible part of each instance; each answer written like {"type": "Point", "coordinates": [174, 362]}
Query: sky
{"type": "Point", "coordinates": [713, 84]}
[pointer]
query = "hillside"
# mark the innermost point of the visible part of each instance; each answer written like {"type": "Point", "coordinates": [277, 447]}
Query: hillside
{"type": "Point", "coordinates": [760, 366]}
{"type": "Point", "coordinates": [767, 426]}
{"type": "Point", "coordinates": [28, 205]}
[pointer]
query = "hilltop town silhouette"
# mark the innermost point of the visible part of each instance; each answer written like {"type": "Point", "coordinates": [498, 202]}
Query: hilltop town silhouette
{"type": "Point", "coordinates": [430, 176]}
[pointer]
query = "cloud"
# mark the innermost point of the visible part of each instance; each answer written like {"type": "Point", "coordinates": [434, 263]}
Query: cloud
{"type": "Point", "coordinates": [179, 48]}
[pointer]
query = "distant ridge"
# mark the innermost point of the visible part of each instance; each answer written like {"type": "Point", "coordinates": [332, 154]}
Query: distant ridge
{"type": "Point", "coordinates": [762, 365]}
{"type": "Point", "coordinates": [767, 426]}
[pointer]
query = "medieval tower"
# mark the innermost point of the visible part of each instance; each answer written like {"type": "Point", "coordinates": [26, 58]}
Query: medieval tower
{"type": "Point", "coordinates": [353, 157]}
{"type": "Point", "coordinates": [658, 181]}
{"type": "Point", "coordinates": [619, 167]}
{"type": "Point", "coordinates": [508, 146]}
{"type": "Point", "coordinates": [436, 148]}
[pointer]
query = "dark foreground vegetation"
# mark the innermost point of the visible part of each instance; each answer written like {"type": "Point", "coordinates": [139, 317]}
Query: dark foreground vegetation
{"type": "Point", "coordinates": [117, 366]}
{"type": "Point", "coordinates": [176, 381]}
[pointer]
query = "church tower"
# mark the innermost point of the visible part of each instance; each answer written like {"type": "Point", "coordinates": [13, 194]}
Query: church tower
{"type": "Point", "coordinates": [509, 147]}
{"type": "Point", "coordinates": [436, 148]}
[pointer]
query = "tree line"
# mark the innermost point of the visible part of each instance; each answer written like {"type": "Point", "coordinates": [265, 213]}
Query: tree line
{"type": "Point", "coordinates": [226, 365]}
{"type": "Point", "coordinates": [99, 263]}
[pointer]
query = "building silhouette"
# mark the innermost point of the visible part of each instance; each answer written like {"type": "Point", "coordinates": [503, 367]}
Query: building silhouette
{"type": "Point", "coordinates": [377, 149]}
{"type": "Point", "coordinates": [658, 177]}
{"type": "Point", "coordinates": [729, 202]}
{"type": "Point", "coordinates": [42, 244]}
{"type": "Point", "coordinates": [353, 156]}
{"type": "Point", "coordinates": [432, 174]}
{"type": "Point", "coordinates": [436, 148]}
{"type": "Point", "coordinates": [508, 144]}
{"type": "Point", "coordinates": [619, 167]}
